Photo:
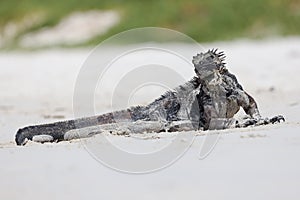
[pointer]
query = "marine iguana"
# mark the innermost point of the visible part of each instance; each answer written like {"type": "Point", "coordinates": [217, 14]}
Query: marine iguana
{"type": "Point", "coordinates": [208, 101]}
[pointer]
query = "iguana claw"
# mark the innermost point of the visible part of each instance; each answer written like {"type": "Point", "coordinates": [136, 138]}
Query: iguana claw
{"type": "Point", "coordinates": [277, 119]}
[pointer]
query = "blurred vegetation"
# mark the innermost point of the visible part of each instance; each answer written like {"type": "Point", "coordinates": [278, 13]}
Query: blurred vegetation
{"type": "Point", "coordinates": [203, 20]}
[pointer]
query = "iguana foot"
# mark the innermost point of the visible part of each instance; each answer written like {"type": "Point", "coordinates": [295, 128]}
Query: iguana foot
{"type": "Point", "coordinates": [277, 119]}
{"type": "Point", "coordinates": [247, 121]}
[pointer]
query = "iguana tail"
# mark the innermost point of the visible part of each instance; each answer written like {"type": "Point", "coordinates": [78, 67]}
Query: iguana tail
{"type": "Point", "coordinates": [57, 130]}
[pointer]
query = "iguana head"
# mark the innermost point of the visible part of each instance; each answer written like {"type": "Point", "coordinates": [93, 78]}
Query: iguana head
{"type": "Point", "coordinates": [209, 63]}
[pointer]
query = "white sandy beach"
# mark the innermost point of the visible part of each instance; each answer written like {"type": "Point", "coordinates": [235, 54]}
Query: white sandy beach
{"type": "Point", "coordinates": [254, 163]}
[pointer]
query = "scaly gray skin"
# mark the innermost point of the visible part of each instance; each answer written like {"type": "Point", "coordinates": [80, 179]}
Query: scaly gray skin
{"type": "Point", "coordinates": [208, 101]}
{"type": "Point", "coordinates": [221, 96]}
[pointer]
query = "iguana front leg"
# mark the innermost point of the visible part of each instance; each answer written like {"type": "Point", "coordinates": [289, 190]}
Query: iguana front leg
{"type": "Point", "coordinates": [247, 121]}
{"type": "Point", "coordinates": [249, 105]}
{"type": "Point", "coordinates": [214, 119]}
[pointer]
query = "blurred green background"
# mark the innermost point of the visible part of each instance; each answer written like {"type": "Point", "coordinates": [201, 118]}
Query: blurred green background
{"type": "Point", "coordinates": [203, 20]}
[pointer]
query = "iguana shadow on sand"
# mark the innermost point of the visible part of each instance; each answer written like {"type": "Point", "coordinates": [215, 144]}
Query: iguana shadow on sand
{"type": "Point", "coordinates": [208, 101]}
